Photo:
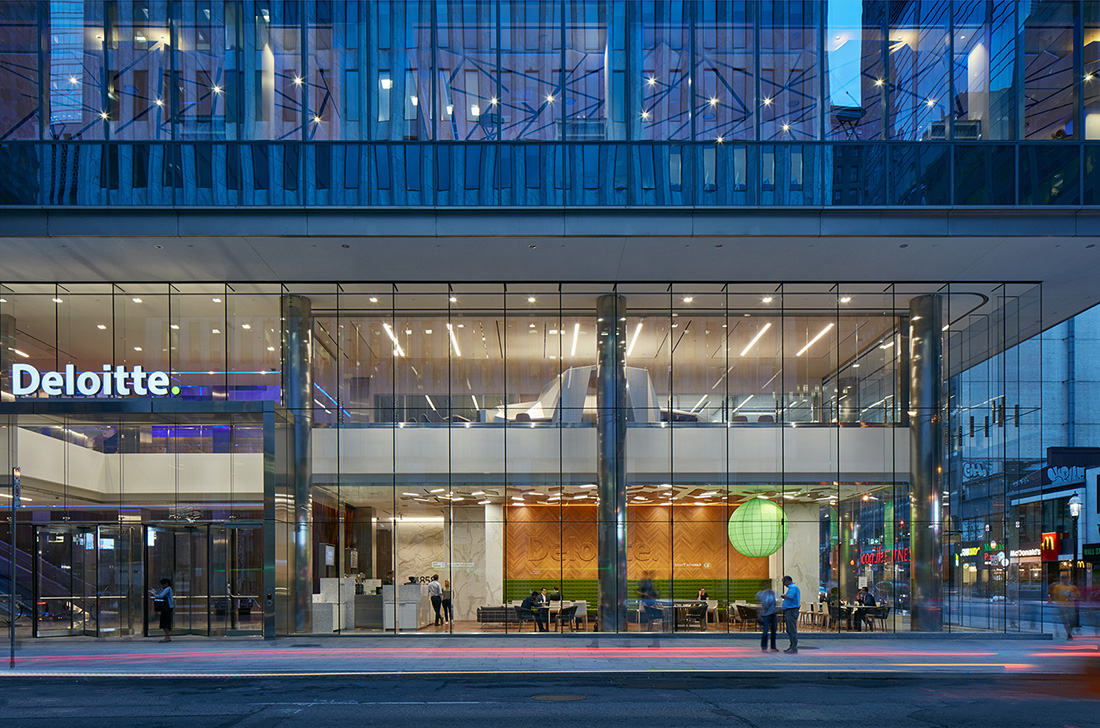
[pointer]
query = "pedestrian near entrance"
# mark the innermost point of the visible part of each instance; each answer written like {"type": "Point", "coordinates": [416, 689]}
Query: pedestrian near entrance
{"type": "Point", "coordinates": [792, 602]}
{"type": "Point", "coordinates": [435, 593]}
{"type": "Point", "coordinates": [768, 617]}
{"type": "Point", "coordinates": [164, 602]}
{"type": "Point", "coordinates": [448, 611]}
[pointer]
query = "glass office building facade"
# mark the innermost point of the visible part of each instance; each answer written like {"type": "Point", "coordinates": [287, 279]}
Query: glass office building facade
{"type": "Point", "coordinates": [322, 442]}
{"type": "Point", "coordinates": [550, 102]}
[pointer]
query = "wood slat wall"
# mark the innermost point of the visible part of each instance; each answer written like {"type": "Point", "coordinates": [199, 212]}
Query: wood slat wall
{"type": "Point", "coordinates": [678, 542]}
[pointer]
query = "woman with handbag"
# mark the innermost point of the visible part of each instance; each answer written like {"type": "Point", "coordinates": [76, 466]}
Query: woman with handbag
{"type": "Point", "coordinates": [164, 603]}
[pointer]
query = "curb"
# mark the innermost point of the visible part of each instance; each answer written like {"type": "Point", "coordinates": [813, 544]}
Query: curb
{"type": "Point", "coordinates": [574, 677]}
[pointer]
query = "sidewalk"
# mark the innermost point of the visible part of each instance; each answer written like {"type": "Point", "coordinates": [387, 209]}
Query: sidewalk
{"type": "Point", "coordinates": [971, 655]}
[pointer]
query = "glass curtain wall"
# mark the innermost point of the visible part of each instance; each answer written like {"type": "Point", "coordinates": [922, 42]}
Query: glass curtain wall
{"type": "Point", "coordinates": [542, 70]}
{"type": "Point", "coordinates": [457, 439]}
{"type": "Point", "coordinates": [718, 102]}
{"type": "Point", "coordinates": [474, 435]}
{"type": "Point", "coordinates": [997, 579]}
{"type": "Point", "coordinates": [117, 497]}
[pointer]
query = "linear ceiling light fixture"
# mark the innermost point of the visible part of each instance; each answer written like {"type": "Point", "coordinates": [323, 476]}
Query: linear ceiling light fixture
{"type": "Point", "coordinates": [634, 338]}
{"type": "Point", "coordinates": [576, 333]}
{"type": "Point", "coordinates": [814, 340]}
{"type": "Point", "coordinates": [756, 338]}
{"type": "Point", "coordinates": [742, 404]}
{"type": "Point", "coordinates": [454, 341]}
{"type": "Point", "coordinates": [396, 344]}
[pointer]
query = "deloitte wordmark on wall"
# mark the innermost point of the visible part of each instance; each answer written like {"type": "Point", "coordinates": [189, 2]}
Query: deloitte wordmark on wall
{"type": "Point", "coordinates": [118, 380]}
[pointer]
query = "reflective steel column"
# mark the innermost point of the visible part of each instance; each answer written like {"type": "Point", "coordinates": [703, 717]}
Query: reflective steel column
{"type": "Point", "coordinates": [298, 398]}
{"type": "Point", "coordinates": [611, 460]}
{"type": "Point", "coordinates": [846, 571]}
{"type": "Point", "coordinates": [925, 463]}
{"type": "Point", "coordinates": [7, 343]}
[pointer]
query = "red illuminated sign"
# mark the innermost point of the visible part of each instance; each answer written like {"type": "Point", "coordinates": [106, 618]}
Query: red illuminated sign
{"type": "Point", "coordinates": [1051, 546]}
{"type": "Point", "coordinates": [883, 556]}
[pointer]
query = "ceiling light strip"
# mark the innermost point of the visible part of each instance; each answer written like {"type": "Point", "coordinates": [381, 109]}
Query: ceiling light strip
{"type": "Point", "coordinates": [814, 340]}
{"type": "Point", "coordinates": [756, 338]}
{"type": "Point", "coordinates": [396, 343]}
{"type": "Point", "coordinates": [634, 338]}
{"type": "Point", "coordinates": [454, 341]}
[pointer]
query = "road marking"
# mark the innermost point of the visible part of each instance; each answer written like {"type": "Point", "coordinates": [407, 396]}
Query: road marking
{"type": "Point", "coordinates": [382, 702]}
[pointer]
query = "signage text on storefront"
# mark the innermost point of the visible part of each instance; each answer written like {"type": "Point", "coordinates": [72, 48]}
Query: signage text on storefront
{"type": "Point", "coordinates": [112, 380]}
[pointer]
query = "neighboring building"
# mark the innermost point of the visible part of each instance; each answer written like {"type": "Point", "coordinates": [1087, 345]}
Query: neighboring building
{"type": "Point", "coordinates": [301, 300]}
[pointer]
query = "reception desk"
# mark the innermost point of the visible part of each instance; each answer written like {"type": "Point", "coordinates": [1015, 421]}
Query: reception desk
{"type": "Point", "coordinates": [413, 609]}
{"type": "Point", "coordinates": [368, 611]}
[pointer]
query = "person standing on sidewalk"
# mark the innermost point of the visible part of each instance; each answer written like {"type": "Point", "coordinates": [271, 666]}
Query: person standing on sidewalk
{"type": "Point", "coordinates": [435, 593]}
{"type": "Point", "coordinates": [792, 602]}
{"type": "Point", "coordinates": [768, 617]}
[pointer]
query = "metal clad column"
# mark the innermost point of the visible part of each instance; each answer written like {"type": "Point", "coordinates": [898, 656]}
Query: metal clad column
{"type": "Point", "coordinates": [298, 398]}
{"type": "Point", "coordinates": [846, 570]}
{"type": "Point", "coordinates": [7, 343]}
{"type": "Point", "coordinates": [611, 460]}
{"type": "Point", "coordinates": [925, 463]}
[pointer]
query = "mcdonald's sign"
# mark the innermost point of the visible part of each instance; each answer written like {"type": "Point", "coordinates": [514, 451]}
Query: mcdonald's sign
{"type": "Point", "coordinates": [1050, 548]}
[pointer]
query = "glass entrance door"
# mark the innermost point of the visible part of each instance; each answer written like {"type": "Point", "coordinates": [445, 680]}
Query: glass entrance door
{"type": "Point", "coordinates": [61, 589]}
{"type": "Point", "coordinates": [237, 578]}
{"type": "Point", "coordinates": [117, 578]}
{"type": "Point", "coordinates": [181, 554]}
{"type": "Point", "coordinates": [216, 572]}
{"type": "Point", "coordinates": [84, 580]}
{"type": "Point", "coordinates": [118, 494]}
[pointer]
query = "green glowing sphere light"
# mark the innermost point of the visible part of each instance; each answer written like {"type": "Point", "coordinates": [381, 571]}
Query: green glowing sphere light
{"type": "Point", "coordinates": [757, 528]}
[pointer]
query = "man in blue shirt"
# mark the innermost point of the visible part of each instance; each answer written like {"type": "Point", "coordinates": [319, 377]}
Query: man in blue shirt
{"type": "Point", "coordinates": [792, 602]}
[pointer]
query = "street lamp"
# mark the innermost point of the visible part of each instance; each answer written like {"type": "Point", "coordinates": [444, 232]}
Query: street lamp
{"type": "Point", "coordinates": [1075, 511]}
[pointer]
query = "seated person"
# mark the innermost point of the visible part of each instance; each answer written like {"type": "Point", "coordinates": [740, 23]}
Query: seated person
{"type": "Point", "coordinates": [531, 604]}
{"type": "Point", "coordinates": [700, 609]}
{"type": "Point", "coordinates": [555, 596]}
{"type": "Point", "coordinates": [865, 599]}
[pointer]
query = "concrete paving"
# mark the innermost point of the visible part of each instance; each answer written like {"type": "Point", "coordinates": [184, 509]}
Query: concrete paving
{"type": "Point", "coordinates": [976, 655]}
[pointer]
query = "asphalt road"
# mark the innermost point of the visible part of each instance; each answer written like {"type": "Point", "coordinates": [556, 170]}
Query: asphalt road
{"type": "Point", "coordinates": [593, 700]}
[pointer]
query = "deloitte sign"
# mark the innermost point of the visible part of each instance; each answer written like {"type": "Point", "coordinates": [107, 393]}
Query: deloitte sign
{"type": "Point", "coordinates": [27, 380]}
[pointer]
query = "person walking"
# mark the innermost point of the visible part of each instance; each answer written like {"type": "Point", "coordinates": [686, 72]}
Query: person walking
{"type": "Point", "coordinates": [435, 593]}
{"type": "Point", "coordinates": [448, 611]}
{"type": "Point", "coordinates": [164, 602]}
{"type": "Point", "coordinates": [647, 603]}
{"type": "Point", "coordinates": [1065, 595]}
{"type": "Point", "coordinates": [792, 603]}
{"type": "Point", "coordinates": [768, 617]}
